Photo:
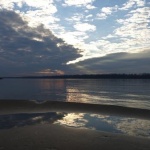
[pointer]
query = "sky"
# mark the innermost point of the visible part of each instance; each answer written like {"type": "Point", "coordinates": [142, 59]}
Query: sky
{"type": "Point", "coordinates": [53, 37]}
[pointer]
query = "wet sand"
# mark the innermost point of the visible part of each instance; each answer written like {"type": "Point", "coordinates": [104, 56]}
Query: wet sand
{"type": "Point", "coordinates": [26, 106]}
{"type": "Point", "coordinates": [56, 137]}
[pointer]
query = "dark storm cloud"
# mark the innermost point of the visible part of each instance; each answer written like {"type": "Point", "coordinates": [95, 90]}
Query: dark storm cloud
{"type": "Point", "coordinates": [118, 63]}
{"type": "Point", "coordinates": [25, 50]}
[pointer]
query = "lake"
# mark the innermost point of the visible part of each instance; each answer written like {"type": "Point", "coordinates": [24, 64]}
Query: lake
{"type": "Point", "coordinates": [122, 92]}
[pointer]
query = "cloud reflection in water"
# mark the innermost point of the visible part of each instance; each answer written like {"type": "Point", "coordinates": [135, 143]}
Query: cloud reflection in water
{"type": "Point", "coordinates": [20, 120]}
{"type": "Point", "coordinates": [134, 127]}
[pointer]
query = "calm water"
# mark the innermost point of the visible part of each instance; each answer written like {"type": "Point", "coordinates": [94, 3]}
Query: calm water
{"type": "Point", "coordinates": [126, 92]}
{"type": "Point", "coordinates": [130, 93]}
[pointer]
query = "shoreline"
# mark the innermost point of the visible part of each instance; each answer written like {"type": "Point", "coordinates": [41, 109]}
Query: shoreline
{"type": "Point", "coordinates": [31, 106]}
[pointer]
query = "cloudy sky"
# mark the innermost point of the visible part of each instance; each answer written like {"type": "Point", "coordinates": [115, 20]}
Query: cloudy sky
{"type": "Point", "coordinates": [74, 36]}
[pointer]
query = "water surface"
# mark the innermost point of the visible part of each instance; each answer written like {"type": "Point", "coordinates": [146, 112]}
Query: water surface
{"type": "Point", "coordinates": [124, 92]}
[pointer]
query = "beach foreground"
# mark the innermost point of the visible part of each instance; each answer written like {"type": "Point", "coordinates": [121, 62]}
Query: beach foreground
{"type": "Point", "coordinates": [47, 136]}
{"type": "Point", "coordinates": [56, 137]}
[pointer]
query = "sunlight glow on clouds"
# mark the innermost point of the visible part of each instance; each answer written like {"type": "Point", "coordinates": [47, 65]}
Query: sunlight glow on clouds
{"type": "Point", "coordinates": [29, 50]}
{"type": "Point", "coordinates": [129, 28]}
{"type": "Point", "coordinates": [96, 27]}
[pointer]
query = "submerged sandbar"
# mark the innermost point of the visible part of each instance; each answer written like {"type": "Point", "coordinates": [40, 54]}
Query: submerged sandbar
{"type": "Point", "coordinates": [26, 106]}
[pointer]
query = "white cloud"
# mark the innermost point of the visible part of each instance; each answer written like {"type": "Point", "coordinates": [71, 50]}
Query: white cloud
{"type": "Point", "coordinates": [132, 35]}
{"type": "Point", "coordinates": [75, 17]}
{"type": "Point", "coordinates": [9, 4]}
{"type": "Point", "coordinates": [75, 38]}
{"type": "Point", "coordinates": [38, 4]}
{"type": "Point", "coordinates": [41, 16]}
{"type": "Point", "coordinates": [140, 3]}
{"type": "Point", "coordinates": [87, 4]}
{"type": "Point", "coordinates": [90, 6]}
{"type": "Point", "coordinates": [57, 28]}
{"type": "Point", "coordinates": [101, 16]}
{"type": "Point", "coordinates": [89, 16]}
{"type": "Point", "coordinates": [132, 3]}
{"type": "Point", "coordinates": [109, 36]}
{"type": "Point", "coordinates": [106, 11]}
{"type": "Point", "coordinates": [85, 27]}
{"type": "Point", "coordinates": [135, 27]}
{"type": "Point", "coordinates": [97, 48]}
{"type": "Point", "coordinates": [78, 17]}
{"type": "Point", "coordinates": [43, 12]}
{"type": "Point", "coordinates": [76, 27]}
{"type": "Point", "coordinates": [105, 47]}
{"type": "Point", "coordinates": [128, 5]}
{"type": "Point", "coordinates": [79, 3]}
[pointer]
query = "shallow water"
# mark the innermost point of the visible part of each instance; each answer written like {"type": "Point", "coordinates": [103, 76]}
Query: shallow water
{"type": "Point", "coordinates": [128, 126]}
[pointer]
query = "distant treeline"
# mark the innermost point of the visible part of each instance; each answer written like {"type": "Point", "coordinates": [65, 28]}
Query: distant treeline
{"type": "Point", "coordinates": [93, 76]}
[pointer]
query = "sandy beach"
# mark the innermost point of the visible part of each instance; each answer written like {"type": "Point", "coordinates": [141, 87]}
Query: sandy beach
{"type": "Point", "coordinates": [55, 137]}
{"type": "Point", "coordinates": [59, 137]}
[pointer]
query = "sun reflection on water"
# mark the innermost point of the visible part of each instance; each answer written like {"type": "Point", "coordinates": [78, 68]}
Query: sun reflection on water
{"type": "Point", "coordinates": [51, 84]}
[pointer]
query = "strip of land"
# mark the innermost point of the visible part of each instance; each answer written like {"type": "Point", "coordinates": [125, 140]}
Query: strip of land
{"type": "Point", "coordinates": [90, 76]}
{"type": "Point", "coordinates": [26, 106]}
